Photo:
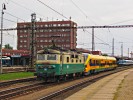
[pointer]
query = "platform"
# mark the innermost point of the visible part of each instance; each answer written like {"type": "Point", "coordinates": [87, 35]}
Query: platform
{"type": "Point", "coordinates": [109, 88]}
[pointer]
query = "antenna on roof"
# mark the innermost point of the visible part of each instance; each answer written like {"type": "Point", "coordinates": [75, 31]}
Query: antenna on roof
{"type": "Point", "coordinates": [70, 18]}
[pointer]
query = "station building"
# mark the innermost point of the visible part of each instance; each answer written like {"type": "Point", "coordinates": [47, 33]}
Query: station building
{"type": "Point", "coordinates": [17, 57]}
{"type": "Point", "coordinates": [62, 33]}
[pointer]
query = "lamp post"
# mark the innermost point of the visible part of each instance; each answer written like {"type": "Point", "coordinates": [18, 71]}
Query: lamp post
{"type": "Point", "coordinates": [2, 13]}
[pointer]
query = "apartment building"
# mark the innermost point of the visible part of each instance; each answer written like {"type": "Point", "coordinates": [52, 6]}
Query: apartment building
{"type": "Point", "coordinates": [63, 33]}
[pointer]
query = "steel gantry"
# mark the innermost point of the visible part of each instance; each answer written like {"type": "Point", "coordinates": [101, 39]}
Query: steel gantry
{"type": "Point", "coordinates": [105, 26]}
{"type": "Point", "coordinates": [78, 27]}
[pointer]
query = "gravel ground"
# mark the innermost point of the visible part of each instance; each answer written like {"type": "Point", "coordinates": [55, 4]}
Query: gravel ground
{"type": "Point", "coordinates": [125, 90]}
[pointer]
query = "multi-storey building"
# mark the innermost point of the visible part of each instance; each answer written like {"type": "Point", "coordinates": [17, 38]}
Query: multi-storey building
{"type": "Point", "coordinates": [63, 33]}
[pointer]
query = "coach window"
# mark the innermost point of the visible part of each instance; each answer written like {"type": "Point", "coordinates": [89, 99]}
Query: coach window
{"type": "Point", "coordinates": [97, 62]}
{"type": "Point", "coordinates": [90, 62]}
{"type": "Point", "coordinates": [105, 62]}
{"type": "Point", "coordinates": [94, 62]}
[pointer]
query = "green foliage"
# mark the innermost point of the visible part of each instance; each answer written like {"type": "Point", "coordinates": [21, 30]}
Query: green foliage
{"type": "Point", "coordinates": [7, 46]}
{"type": "Point", "coordinates": [104, 54]}
{"type": "Point", "coordinates": [11, 76]}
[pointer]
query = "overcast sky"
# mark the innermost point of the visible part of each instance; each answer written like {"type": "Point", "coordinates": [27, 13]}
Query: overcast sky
{"type": "Point", "coordinates": [84, 13]}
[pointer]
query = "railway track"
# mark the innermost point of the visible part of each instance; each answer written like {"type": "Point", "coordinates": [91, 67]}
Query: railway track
{"type": "Point", "coordinates": [11, 82]}
{"type": "Point", "coordinates": [64, 93]}
{"type": "Point", "coordinates": [10, 93]}
{"type": "Point", "coordinates": [23, 90]}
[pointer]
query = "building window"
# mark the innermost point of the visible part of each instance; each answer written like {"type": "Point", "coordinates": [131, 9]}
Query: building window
{"type": "Point", "coordinates": [25, 40]}
{"type": "Point", "coordinates": [49, 40]}
{"type": "Point", "coordinates": [42, 35]}
{"type": "Point", "coordinates": [45, 30]}
{"type": "Point", "coordinates": [24, 25]}
{"type": "Point", "coordinates": [21, 36]}
{"type": "Point", "coordinates": [25, 35]}
{"type": "Point", "coordinates": [41, 46]}
{"type": "Point", "coordinates": [41, 40]}
{"type": "Point", "coordinates": [41, 30]}
{"type": "Point", "coordinates": [37, 25]}
{"type": "Point", "coordinates": [21, 26]}
{"type": "Point", "coordinates": [46, 25]}
{"type": "Point", "coordinates": [25, 31]}
{"type": "Point", "coordinates": [54, 24]}
{"type": "Point", "coordinates": [21, 31]}
{"type": "Point", "coordinates": [21, 41]}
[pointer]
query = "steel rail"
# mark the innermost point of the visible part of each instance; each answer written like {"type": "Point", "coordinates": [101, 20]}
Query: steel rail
{"type": "Point", "coordinates": [11, 82]}
{"type": "Point", "coordinates": [61, 93]}
{"type": "Point", "coordinates": [7, 94]}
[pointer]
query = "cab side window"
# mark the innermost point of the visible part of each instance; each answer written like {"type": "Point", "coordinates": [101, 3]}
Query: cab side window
{"type": "Point", "coordinates": [67, 59]}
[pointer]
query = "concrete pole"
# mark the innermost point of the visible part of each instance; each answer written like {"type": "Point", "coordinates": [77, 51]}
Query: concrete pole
{"type": "Point", "coordinates": [113, 47]}
{"type": "Point", "coordinates": [93, 43]}
{"type": "Point", "coordinates": [2, 13]}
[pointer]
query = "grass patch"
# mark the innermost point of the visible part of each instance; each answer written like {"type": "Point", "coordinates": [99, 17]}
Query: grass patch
{"type": "Point", "coordinates": [11, 76]}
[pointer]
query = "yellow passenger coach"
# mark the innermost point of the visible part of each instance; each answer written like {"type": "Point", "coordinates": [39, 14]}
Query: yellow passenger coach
{"type": "Point", "coordinates": [96, 63]}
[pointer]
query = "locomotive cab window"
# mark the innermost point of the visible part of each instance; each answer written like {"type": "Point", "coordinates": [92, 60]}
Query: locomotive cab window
{"type": "Point", "coordinates": [72, 56]}
{"type": "Point", "coordinates": [76, 56]}
{"type": "Point", "coordinates": [41, 57]}
{"type": "Point", "coordinates": [51, 57]}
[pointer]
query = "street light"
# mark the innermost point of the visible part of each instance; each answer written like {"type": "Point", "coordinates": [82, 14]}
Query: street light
{"type": "Point", "coordinates": [2, 13]}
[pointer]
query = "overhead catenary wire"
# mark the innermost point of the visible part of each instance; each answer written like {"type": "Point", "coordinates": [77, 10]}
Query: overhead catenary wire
{"type": "Point", "coordinates": [98, 38]}
{"type": "Point", "coordinates": [52, 9]}
{"type": "Point", "coordinates": [14, 16]}
{"type": "Point", "coordinates": [26, 8]}
{"type": "Point", "coordinates": [121, 22]}
{"type": "Point", "coordinates": [82, 11]}
{"type": "Point", "coordinates": [9, 20]}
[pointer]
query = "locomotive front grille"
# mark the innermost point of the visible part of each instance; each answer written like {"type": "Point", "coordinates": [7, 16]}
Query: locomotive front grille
{"type": "Point", "coordinates": [45, 66]}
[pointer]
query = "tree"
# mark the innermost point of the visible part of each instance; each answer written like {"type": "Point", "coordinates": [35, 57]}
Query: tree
{"type": "Point", "coordinates": [104, 54]}
{"type": "Point", "coordinates": [7, 46]}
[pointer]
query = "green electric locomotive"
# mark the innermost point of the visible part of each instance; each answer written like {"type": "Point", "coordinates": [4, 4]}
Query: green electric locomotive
{"type": "Point", "coordinates": [52, 64]}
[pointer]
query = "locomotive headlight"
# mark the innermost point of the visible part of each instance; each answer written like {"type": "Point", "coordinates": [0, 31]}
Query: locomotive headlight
{"type": "Point", "coordinates": [53, 66]}
{"type": "Point", "coordinates": [45, 69]}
